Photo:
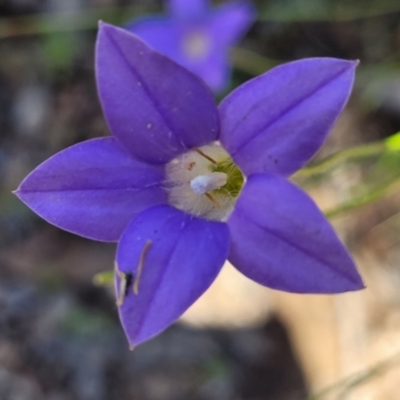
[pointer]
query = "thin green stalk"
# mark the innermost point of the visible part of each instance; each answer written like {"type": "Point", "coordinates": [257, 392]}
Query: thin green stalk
{"type": "Point", "coordinates": [368, 198]}
{"type": "Point", "coordinates": [26, 25]}
{"type": "Point", "coordinates": [305, 11]}
{"type": "Point", "coordinates": [104, 278]}
{"type": "Point", "coordinates": [357, 379]}
{"type": "Point", "coordinates": [87, 19]}
{"type": "Point", "coordinates": [353, 153]}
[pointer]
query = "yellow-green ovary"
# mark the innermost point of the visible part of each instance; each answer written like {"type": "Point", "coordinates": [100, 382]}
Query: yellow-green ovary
{"type": "Point", "coordinates": [234, 180]}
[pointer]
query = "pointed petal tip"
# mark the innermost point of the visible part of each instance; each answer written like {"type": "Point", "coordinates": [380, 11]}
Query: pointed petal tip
{"type": "Point", "coordinates": [351, 288]}
{"type": "Point", "coordinates": [353, 64]}
{"type": "Point", "coordinates": [340, 286]}
{"type": "Point", "coordinates": [328, 62]}
{"type": "Point", "coordinates": [19, 191]}
{"type": "Point", "coordinates": [358, 285]}
{"type": "Point", "coordinates": [106, 28]}
{"type": "Point", "coordinates": [101, 24]}
{"type": "Point", "coordinates": [351, 283]}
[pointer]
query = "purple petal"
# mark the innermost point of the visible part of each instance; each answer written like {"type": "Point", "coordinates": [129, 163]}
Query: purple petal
{"type": "Point", "coordinates": [280, 239]}
{"type": "Point", "coordinates": [163, 34]}
{"type": "Point", "coordinates": [209, 58]}
{"type": "Point", "coordinates": [187, 9]}
{"type": "Point", "coordinates": [214, 70]}
{"type": "Point", "coordinates": [277, 121]}
{"type": "Point", "coordinates": [93, 189]}
{"type": "Point", "coordinates": [156, 108]}
{"type": "Point", "coordinates": [173, 258]}
{"type": "Point", "coordinates": [232, 20]}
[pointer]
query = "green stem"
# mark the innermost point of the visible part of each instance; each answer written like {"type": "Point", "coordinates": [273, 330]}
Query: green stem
{"type": "Point", "coordinates": [304, 11]}
{"type": "Point", "coordinates": [87, 19]}
{"type": "Point", "coordinates": [357, 379]}
{"type": "Point", "coordinates": [368, 198]}
{"type": "Point", "coordinates": [104, 278]}
{"type": "Point", "coordinates": [353, 153]}
{"type": "Point", "coordinates": [251, 62]}
{"type": "Point", "coordinates": [26, 25]}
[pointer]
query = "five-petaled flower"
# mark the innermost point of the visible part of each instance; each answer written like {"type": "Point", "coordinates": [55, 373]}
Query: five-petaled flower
{"type": "Point", "coordinates": [198, 37]}
{"type": "Point", "coordinates": [183, 185]}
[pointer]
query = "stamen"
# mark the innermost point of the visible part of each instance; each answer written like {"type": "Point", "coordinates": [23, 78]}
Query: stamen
{"type": "Point", "coordinates": [205, 156]}
{"type": "Point", "coordinates": [208, 195]}
{"type": "Point", "coordinates": [125, 283]}
{"type": "Point", "coordinates": [140, 267]}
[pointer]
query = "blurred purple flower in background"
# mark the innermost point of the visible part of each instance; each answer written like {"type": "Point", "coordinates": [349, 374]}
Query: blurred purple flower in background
{"type": "Point", "coordinates": [197, 36]}
{"type": "Point", "coordinates": [183, 185]}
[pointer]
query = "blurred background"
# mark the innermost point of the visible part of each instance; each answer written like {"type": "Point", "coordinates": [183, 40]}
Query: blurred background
{"type": "Point", "coordinates": [60, 338]}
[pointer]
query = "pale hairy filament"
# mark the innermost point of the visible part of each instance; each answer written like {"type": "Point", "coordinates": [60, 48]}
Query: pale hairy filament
{"type": "Point", "coordinates": [212, 199]}
{"type": "Point", "coordinates": [205, 156]}
{"type": "Point", "coordinates": [125, 282]}
{"type": "Point", "coordinates": [140, 267]}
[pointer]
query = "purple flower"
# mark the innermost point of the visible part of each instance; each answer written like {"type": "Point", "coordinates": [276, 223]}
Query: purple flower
{"type": "Point", "coordinates": [198, 37]}
{"type": "Point", "coordinates": [183, 185]}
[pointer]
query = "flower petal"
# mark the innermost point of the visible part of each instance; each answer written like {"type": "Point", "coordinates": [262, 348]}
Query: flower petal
{"type": "Point", "coordinates": [173, 258]}
{"type": "Point", "coordinates": [280, 239]}
{"type": "Point", "coordinates": [186, 9]}
{"type": "Point", "coordinates": [277, 121]}
{"type": "Point", "coordinates": [214, 70]}
{"type": "Point", "coordinates": [174, 39]}
{"type": "Point", "coordinates": [230, 21]}
{"type": "Point", "coordinates": [156, 108]}
{"type": "Point", "coordinates": [163, 34]}
{"type": "Point", "coordinates": [93, 189]}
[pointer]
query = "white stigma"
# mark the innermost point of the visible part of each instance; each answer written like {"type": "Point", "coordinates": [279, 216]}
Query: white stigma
{"type": "Point", "coordinates": [206, 183]}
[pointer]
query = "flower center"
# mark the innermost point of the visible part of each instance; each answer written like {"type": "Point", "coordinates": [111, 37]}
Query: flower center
{"type": "Point", "coordinates": [204, 182]}
{"type": "Point", "coordinates": [196, 45]}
